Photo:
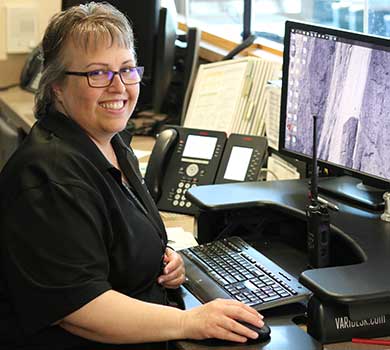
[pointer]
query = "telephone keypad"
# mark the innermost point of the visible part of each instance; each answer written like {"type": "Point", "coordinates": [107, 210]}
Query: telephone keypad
{"type": "Point", "coordinates": [177, 194]}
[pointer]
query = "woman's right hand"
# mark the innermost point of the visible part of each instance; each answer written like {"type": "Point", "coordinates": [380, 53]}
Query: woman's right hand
{"type": "Point", "coordinates": [218, 319]}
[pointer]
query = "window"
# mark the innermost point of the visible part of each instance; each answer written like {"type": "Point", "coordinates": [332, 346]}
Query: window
{"type": "Point", "coordinates": [225, 17]}
{"type": "Point", "coordinates": [219, 17]}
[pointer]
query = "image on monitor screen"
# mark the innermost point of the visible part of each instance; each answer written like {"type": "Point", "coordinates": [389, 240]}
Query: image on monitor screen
{"type": "Point", "coordinates": [343, 78]}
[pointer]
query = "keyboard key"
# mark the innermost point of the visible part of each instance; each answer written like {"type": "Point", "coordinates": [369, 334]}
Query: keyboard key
{"type": "Point", "coordinates": [271, 298]}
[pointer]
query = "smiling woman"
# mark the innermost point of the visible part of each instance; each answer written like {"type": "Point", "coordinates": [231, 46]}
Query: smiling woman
{"type": "Point", "coordinates": [78, 78]}
{"type": "Point", "coordinates": [100, 106]}
{"type": "Point", "coordinates": [88, 265]}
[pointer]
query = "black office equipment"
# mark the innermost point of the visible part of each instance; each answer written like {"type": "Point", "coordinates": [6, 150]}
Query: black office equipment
{"type": "Point", "coordinates": [242, 159]}
{"type": "Point", "coordinates": [165, 57]}
{"type": "Point", "coordinates": [189, 57]}
{"type": "Point", "coordinates": [231, 268]}
{"type": "Point", "coordinates": [31, 72]}
{"type": "Point", "coordinates": [264, 333]}
{"type": "Point", "coordinates": [334, 74]}
{"type": "Point", "coordinates": [318, 229]}
{"type": "Point", "coordinates": [183, 158]}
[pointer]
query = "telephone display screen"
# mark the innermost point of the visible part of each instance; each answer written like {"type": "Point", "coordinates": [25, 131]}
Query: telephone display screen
{"type": "Point", "coordinates": [200, 147]}
{"type": "Point", "coordinates": [238, 163]}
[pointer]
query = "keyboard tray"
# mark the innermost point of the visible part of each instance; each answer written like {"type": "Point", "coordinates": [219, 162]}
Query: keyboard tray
{"type": "Point", "coordinates": [232, 269]}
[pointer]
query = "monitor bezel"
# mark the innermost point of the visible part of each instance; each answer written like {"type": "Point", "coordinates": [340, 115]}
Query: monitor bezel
{"type": "Point", "coordinates": [371, 40]}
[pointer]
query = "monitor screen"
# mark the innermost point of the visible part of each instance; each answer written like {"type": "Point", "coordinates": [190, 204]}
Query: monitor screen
{"type": "Point", "coordinates": [201, 147]}
{"type": "Point", "coordinates": [344, 79]}
{"type": "Point", "coordinates": [238, 163]}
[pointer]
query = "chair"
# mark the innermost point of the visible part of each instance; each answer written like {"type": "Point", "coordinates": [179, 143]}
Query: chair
{"type": "Point", "coordinates": [9, 141]}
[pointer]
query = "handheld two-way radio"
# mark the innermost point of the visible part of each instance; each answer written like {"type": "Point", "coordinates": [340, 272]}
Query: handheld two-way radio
{"type": "Point", "coordinates": [317, 217]}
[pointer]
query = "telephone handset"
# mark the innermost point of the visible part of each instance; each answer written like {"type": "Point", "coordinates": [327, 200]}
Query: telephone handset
{"type": "Point", "coordinates": [32, 71]}
{"type": "Point", "coordinates": [158, 161]}
{"type": "Point", "coordinates": [183, 158]}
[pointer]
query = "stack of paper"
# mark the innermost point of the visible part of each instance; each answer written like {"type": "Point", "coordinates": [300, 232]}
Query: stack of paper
{"type": "Point", "coordinates": [272, 114]}
{"type": "Point", "coordinates": [279, 169]}
{"type": "Point", "coordinates": [229, 96]}
{"type": "Point", "coordinates": [179, 239]}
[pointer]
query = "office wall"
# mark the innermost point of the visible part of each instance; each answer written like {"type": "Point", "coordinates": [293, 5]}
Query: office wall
{"type": "Point", "coordinates": [12, 64]}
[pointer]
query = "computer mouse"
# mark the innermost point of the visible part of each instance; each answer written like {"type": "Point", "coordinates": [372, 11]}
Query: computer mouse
{"type": "Point", "coordinates": [263, 332]}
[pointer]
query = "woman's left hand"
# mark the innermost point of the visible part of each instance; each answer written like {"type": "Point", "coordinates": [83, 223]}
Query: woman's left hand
{"type": "Point", "coordinates": [174, 272]}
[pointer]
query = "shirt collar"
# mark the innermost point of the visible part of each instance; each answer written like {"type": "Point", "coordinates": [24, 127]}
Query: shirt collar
{"type": "Point", "coordinates": [68, 130]}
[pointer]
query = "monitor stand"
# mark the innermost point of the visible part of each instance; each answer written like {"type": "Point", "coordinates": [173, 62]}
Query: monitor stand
{"type": "Point", "coordinates": [353, 190]}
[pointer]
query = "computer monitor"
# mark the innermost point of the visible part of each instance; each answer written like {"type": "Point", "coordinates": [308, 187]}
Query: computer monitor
{"type": "Point", "coordinates": [165, 55]}
{"type": "Point", "coordinates": [144, 17]}
{"type": "Point", "coordinates": [344, 78]}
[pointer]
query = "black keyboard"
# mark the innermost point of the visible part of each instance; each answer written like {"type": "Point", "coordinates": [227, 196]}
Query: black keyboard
{"type": "Point", "coordinates": [231, 268]}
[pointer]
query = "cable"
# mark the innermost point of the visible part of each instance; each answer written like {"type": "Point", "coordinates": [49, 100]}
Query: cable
{"type": "Point", "coordinates": [6, 87]}
{"type": "Point", "coordinates": [271, 172]}
{"type": "Point", "coordinates": [246, 43]}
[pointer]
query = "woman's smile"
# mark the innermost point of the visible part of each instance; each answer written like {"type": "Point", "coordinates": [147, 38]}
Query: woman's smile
{"type": "Point", "coordinates": [114, 105]}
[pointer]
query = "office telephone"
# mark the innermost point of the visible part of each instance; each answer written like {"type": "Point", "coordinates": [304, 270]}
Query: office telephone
{"type": "Point", "coordinates": [183, 158]}
{"type": "Point", "coordinates": [242, 158]}
{"type": "Point", "coordinates": [32, 71]}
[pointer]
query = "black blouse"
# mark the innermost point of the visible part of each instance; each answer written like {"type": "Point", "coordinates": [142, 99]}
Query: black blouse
{"type": "Point", "coordinates": [70, 231]}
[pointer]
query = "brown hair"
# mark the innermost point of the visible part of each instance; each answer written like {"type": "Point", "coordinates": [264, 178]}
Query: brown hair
{"type": "Point", "coordinates": [87, 25]}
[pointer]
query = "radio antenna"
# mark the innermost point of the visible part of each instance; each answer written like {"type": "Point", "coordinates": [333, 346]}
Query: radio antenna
{"type": "Point", "coordinates": [314, 178]}
{"type": "Point", "coordinates": [318, 227]}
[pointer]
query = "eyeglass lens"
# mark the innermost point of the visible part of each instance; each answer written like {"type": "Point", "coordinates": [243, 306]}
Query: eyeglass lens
{"type": "Point", "coordinates": [131, 75]}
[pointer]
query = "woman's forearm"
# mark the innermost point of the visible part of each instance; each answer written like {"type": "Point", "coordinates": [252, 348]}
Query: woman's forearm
{"type": "Point", "coordinates": [115, 318]}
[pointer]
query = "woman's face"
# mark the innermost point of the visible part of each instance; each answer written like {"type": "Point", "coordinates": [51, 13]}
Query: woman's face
{"type": "Point", "coordinates": [101, 112]}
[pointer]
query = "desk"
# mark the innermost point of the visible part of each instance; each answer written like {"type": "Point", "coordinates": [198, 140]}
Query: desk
{"type": "Point", "coordinates": [361, 231]}
{"type": "Point", "coordinates": [17, 106]}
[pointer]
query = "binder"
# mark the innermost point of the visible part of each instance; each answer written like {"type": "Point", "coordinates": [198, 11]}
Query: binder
{"type": "Point", "coordinates": [272, 113]}
{"type": "Point", "coordinates": [229, 96]}
{"type": "Point", "coordinates": [216, 95]}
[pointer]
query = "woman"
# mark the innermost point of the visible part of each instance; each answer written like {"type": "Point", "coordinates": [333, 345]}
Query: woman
{"type": "Point", "coordinates": [83, 249]}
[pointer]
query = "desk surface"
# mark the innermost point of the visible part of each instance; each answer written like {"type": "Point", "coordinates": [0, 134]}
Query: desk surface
{"type": "Point", "coordinates": [361, 230]}
{"type": "Point", "coordinates": [17, 105]}
{"type": "Point", "coordinates": [359, 283]}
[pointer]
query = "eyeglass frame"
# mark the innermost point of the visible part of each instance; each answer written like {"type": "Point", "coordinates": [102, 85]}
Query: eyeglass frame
{"type": "Point", "coordinates": [140, 70]}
